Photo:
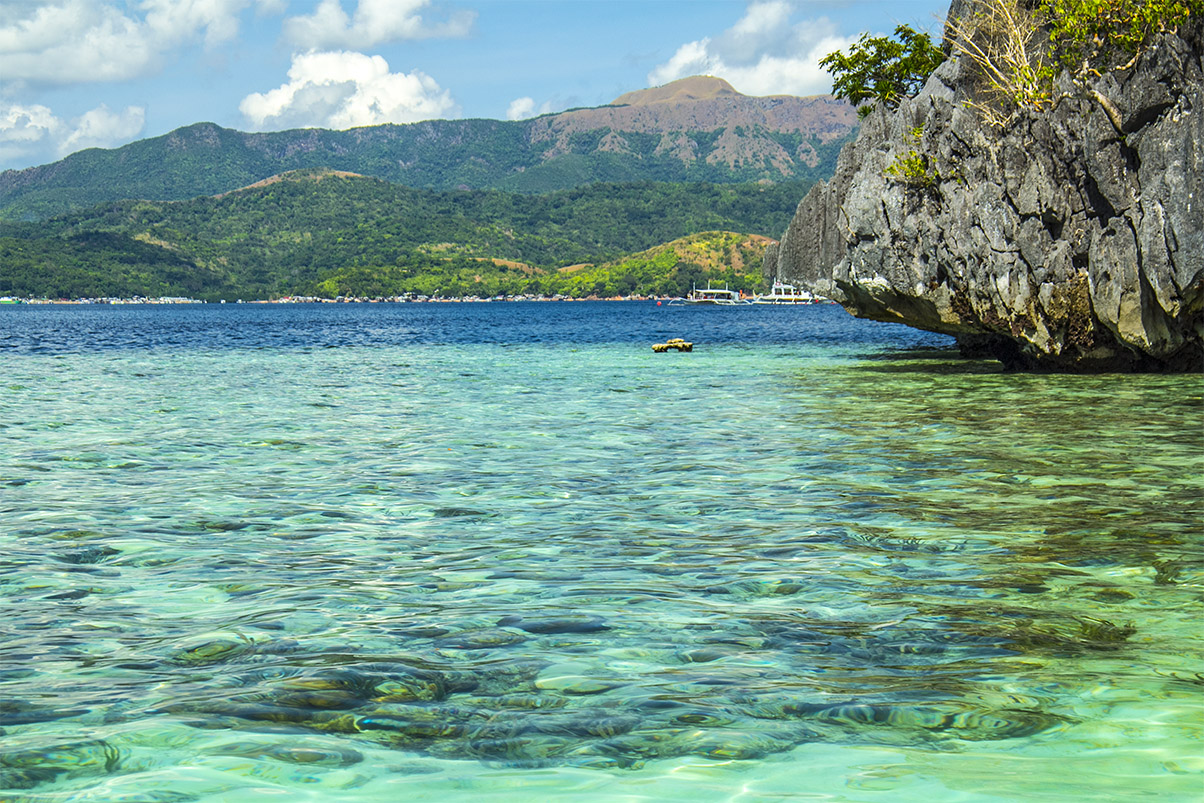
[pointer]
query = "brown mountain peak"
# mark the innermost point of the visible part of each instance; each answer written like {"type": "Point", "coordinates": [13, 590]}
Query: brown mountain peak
{"type": "Point", "coordinates": [696, 87]}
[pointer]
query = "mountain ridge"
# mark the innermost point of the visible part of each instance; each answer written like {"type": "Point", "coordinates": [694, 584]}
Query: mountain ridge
{"type": "Point", "coordinates": [710, 133]}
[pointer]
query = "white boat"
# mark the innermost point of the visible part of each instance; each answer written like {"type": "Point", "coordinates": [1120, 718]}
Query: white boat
{"type": "Point", "coordinates": [715, 295]}
{"type": "Point", "coordinates": [782, 293]}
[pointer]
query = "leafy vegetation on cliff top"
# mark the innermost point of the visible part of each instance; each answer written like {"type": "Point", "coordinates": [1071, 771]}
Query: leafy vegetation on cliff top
{"type": "Point", "coordinates": [1018, 49]}
{"type": "Point", "coordinates": [881, 69]}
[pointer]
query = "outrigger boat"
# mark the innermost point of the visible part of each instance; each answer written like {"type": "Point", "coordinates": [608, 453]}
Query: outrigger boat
{"type": "Point", "coordinates": [782, 293]}
{"type": "Point", "coordinates": [715, 295]}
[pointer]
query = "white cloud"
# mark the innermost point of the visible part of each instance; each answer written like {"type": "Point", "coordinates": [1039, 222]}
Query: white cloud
{"type": "Point", "coordinates": [27, 124]}
{"type": "Point", "coordinates": [101, 128]}
{"type": "Point", "coordinates": [373, 22]}
{"type": "Point", "coordinates": [82, 41]}
{"type": "Point", "coordinates": [764, 53]}
{"type": "Point", "coordinates": [35, 130]}
{"type": "Point", "coordinates": [72, 41]}
{"type": "Point", "coordinates": [524, 108]}
{"type": "Point", "coordinates": [521, 109]}
{"type": "Point", "coordinates": [174, 20]}
{"type": "Point", "coordinates": [691, 58]}
{"type": "Point", "coordinates": [345, 90]}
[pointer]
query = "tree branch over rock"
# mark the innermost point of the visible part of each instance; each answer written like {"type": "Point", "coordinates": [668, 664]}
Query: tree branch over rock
{"type": "Point", "coordinates": [1019, 49]}
{"type": "Point", "coordinates": [881, 69]}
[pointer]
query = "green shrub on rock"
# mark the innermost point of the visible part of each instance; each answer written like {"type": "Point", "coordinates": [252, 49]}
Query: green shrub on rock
{"type": "Point", "coordinates": [1096, 35]}
{"type": "Point", "coordinates": [1018, 48]}
{"type": "Point", "coordinates": [883, 69]}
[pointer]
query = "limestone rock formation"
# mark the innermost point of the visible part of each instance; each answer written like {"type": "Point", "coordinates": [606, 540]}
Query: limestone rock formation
{"type": "Point", "coordinates": [1058, 243]}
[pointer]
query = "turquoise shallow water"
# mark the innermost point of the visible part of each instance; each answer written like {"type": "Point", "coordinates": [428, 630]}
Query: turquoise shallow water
{"type": "Point", "coordinates": [356, 555]}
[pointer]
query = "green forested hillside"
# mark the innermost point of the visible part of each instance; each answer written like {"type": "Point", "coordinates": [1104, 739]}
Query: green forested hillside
{"type": "Point", "coordinates": [317, 232]}
{"type": "Point", "coordinates": [670, 269]}
{"type": "Point", "coordinates": [205, 159]}
{"type": "Point", "coordinates": [98, 264]}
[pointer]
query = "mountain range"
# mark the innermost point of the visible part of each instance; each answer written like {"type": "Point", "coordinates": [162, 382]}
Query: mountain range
{"type": "Point", "coordinates": [655, 192]}
{"type": "Point", "coordinates": [696, 129]}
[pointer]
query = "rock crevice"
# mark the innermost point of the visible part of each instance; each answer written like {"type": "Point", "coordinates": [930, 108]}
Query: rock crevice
{"type": "Point", "coordinates": [1058, 243]}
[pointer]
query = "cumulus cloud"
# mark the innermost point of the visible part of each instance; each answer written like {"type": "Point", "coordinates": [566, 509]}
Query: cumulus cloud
{"type": "Point", "coordinates": [81, 41]}
{"type": "Point", "coordinates": [25, 125]}
{"type": "Point", "coordinates": [373, 22]}
{"type": "Point", "coordinates": [102, 127]}
{"type": "Point", "coordinates": [345, 90]}
{"type": "Point", "coordinates": [521, 109]}
{"type": "Point", "coordinates": [36, 130]}
{"type": "Point", "coordinates": [764, 53]}
{"type": "Point", "coordinates": [524, 108]}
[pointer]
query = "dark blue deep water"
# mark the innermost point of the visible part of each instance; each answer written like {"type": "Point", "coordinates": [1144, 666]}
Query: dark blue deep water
{"type": "Point", "coordinates": [67, 328]}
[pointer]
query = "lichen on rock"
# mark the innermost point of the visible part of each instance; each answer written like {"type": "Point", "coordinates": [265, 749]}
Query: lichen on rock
{"type": "Point", "coordinates": [1056, 243]}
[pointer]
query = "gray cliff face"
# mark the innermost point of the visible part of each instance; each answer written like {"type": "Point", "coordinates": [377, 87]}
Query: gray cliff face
{"type": "Point", "coordinates": [1057, 243]}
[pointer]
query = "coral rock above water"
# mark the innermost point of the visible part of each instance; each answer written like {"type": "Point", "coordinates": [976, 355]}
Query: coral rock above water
{"type": "Point", "coordinates": [1057, 243]}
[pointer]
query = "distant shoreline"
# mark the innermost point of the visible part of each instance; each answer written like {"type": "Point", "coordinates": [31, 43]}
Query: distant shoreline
{"type": "Point", "coordinates": [139, 301]}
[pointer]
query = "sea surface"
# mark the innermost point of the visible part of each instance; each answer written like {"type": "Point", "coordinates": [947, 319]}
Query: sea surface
{"type": "Point", "coordinates": [505, 552]}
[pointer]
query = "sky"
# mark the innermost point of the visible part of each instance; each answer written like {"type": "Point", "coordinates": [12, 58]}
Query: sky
{"type": "Point", "coordinates": [77, 74]}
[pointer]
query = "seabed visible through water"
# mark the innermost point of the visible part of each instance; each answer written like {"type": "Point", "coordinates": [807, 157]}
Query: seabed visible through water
{"type": "Point", "coordinates": [507, 552]}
